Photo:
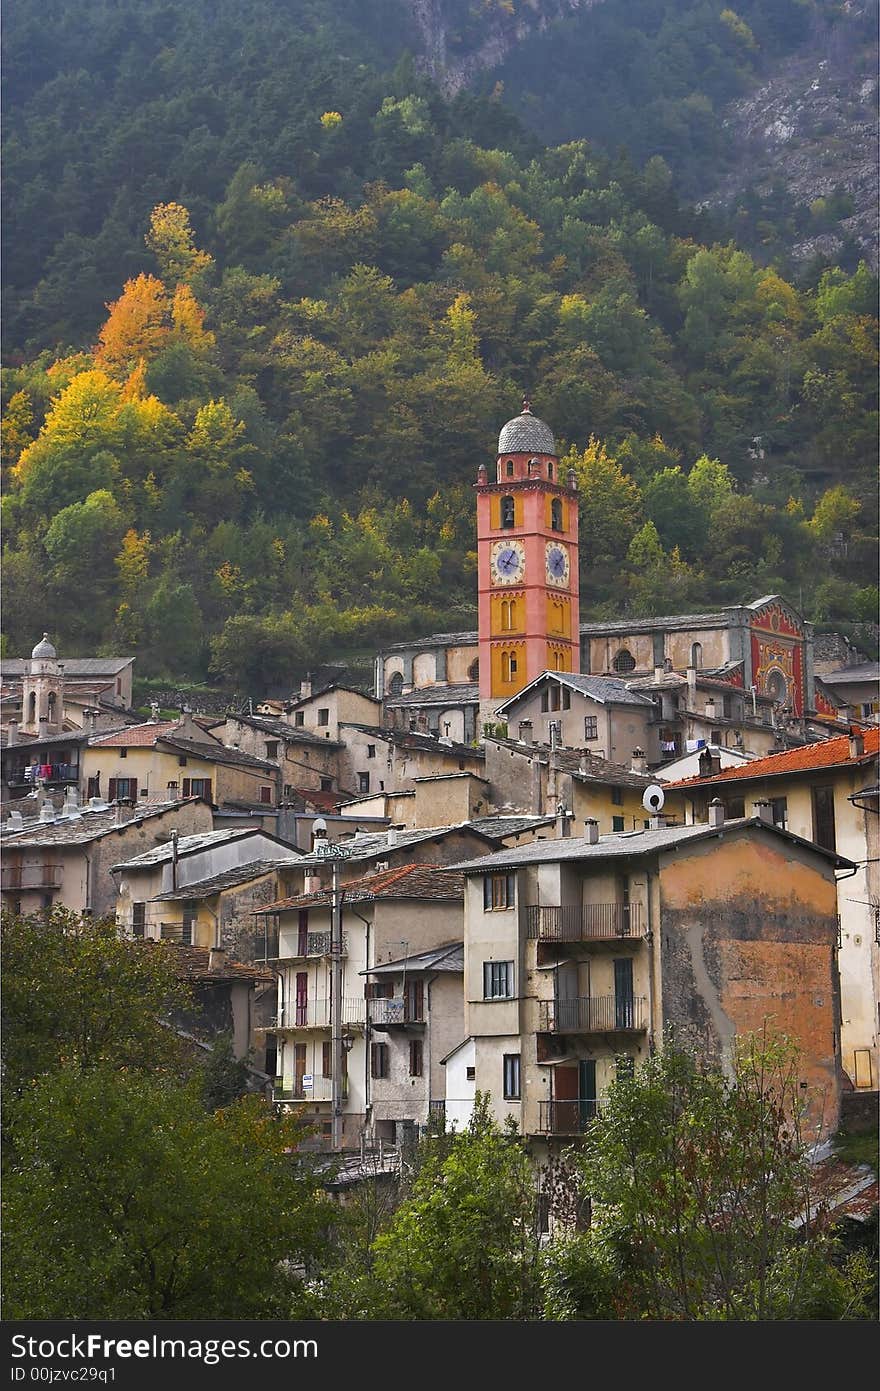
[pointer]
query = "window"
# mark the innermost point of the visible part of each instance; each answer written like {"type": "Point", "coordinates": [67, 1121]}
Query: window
{"type": "Point", "coordinates": [566, 698]}
{"type": "Point", "coordinates": [326, 784]}
{"type": "Point", "coordinates": [511, 1077]}
{"type": "Point", "coordinates": [138, 919]}
{"type": "Point", "coordinates": [696, 654]}
{"type": "Point", "coordinates": [556, 514]}
{"type": "Point", "coordinates": [617, 796]}
{"type": "Point", "coordinates": [508, 666]}
{"type": "Point", "coordinates": [323, 715]}
{"type": "Point", "coordinates": [93, 785]}
{"type": "Point", "coordinates": [499, 891]}
{"type": "Point", "coordinates": [181, 761]}
{"type": "Point", "coordinates": [120, 789]}
{"type": "Point", "coordinates": [508, 512]}
{"type": "Point", "coordinates": [617, 823]}
{"type": "Point", "coordinates": [271, 748]}
{"type": "Point", "coordinates": [299, 718]}
{"type": "Point", "coordinates": [510, 468]}
{"type": "Point", "coordinates": [823, 818]}
{"type": "Point", "coordinates": [591, 727]}
{"type": "Point", "coordinates": [497, 980]}
{"type": "Point", "coordinates": [172, 786]}
{"type": "Point", "coordinates": [415, 1057]}
{"type": "Point", "coordinates": [371, 751]}
{"type": "Point", "coordinates": [378, 1059]}
{"type": "Point", "coordinates": [414, 1010]}
{"type": "Point", "coordinates": [470, 1074]}
{"type": "Point", "coordinates": [779, 811]}
{"type": "Point", "coordinates": [326, 1058]}
{"type": "Point", "coordinates": [734, 807]}
{"type": "Point", "coordinates": [395, 684]}
{"type": "Point", "coordinates": [199, 787]}
{"type": "Point", "coordinates": [624, 661]}
{"type": "Point", "coordinates": [265, 795]}
{"type": "Point", "coordinates": [363, 782]}
{"type": "Point", "coordinates": [123, 753]}
{"type": "Point", "coordinates": [474, 671]}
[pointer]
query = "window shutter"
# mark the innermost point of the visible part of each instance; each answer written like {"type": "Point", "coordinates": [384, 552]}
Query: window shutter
{"type": "Point", "coordinates": [186, 783]}
{"type": "Point", "coordinates": [133, 787]}
{"type": "Point", "coordinates": [207, 792]}
{"type": "Point", "coordinates": [111, 790]}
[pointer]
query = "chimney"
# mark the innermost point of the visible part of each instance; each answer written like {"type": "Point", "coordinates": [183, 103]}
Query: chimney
{"type": "Point", "coordinates": [15, 822]}
{"type": "Point", "coordinates": [763, 812]}
{"type": "Point", "coordinates": [563, 822]}
{"type": "Point", "coordinates": [217, 959]}
{"type": "Point", "coordinates": [91, 718]}
{"type": "Point", "coordinates": [305, 688]}
{"type": "Point", "coordinates": [710, 708]}
{"type": "Point", "coordinates": [658, 675]}
{"type": "Point", "coordinates": [691, 673]}
{"type": "Point", "coordinates": [392, 836]}
{"type": "Point", "coordinates": [11, 733]}
{"type": "Point", "coordinates": [42, 727]}
{"type": "Point", "coordinates": [312, 884]}
{"type": "Point", "coordinates": [555, 732]}
{"type": "Point", "coordinates": [47, 814]}
{"type": "Point", "coordinates": [856, 743]}
{"type": "Point", "coordinates": [667, 664]}
{"type": "Point", "coordinates": [591, 830]}
{"type": "Point", "coordinates": [657, 822]}
{"type": "Point", "coordinates": [716, 812]}
{"type": "Point", "coordinates": [639, 763]}
{"type": "Point", "coordinates": [525, 732]}
{"type": "Point", "coordinates": [154, 712]}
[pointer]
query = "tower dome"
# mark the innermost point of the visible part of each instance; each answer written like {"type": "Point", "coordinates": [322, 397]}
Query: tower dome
{"type": "Point", "coordinates": [526, 434]}
{"type": "Point", "coordinates": [44, 651]}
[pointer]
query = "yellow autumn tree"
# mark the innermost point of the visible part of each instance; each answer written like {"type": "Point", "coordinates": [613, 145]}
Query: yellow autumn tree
{"type": "Point", "coordinates": [188, 319]}
{"type": "Point", "coordinates": [133, 561]}
{"type": "Point", "coordinates": [172, 242]}
{"type": "Point", "coordinates": [137, 326]}
{"type": "Point", "coordinates": [83, 416]}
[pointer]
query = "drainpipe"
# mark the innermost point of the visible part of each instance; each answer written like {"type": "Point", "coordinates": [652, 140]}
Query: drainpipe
{"type": "Point", "coordinates": [649, 940]}
{"type": "Point", "coordinates": [174, 861]}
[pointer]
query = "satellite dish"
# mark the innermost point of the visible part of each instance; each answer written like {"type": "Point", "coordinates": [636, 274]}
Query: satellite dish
{"type": "Point", "coordinates": [654, 798]}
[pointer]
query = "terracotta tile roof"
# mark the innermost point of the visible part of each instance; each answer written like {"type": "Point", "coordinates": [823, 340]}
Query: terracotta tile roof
{"type": "Point", "coordinates": [141, 735]}
{"type": "Point", "coordinates": [325, 801]}
{"type": "Point", "coordinates": [829, 753]}
{"type": "Point", "coordinates": [404, 881]}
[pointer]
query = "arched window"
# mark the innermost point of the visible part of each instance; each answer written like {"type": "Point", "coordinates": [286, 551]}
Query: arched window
{"type": "Point", "coordinates": [777, 685]}
{"type": "Point", "coordinates": [32, 708]}
{"type": "Point", "coordinates": [53, 701]}
{"type": "Point", "coordinates": [556, 514]}
{"type": "Point", "coordinates": [505, 666]}
{"type": "Point", "coordinates": [696, 654]}
{"type": "Point", "coordinates": [624, 661]}
{"type": "Point", "coordinates": [395, 684]}
{"type": "Point", "coordinates": [474, 671]}
{"type": "Point", "coordinates": [508, 512]}
{"type": "Point", "coordinates": [505, 615]}
{"type": "Point", "coordinates": [549, 469]}
{"type": "Point", "coordinates": [510, 468]}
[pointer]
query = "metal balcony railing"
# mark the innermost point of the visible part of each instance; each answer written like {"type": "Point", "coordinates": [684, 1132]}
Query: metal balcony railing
{"type": "Point", "coordinates": [316, 1014]}
{"type": "Point", "coordinates": [30, 877]}
{"type": "Point", "coordinates": [586, 922]}
{"type": "Point", "coordinates": [397, 1010]}
{"type": "Point", "coordinates": [294, 947]}
{"type": "Point", "coordinates": [566, 1117]}
{"type": "Point", "coordinates": [597, 1015]}
{"type": "Point", "coordinates": [320, 1090]}
{"type": "Point", "coordinates": [182, 933]}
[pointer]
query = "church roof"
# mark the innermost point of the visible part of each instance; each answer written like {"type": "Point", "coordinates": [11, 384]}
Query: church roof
{"type": "Point", "coordinates": [526, 434]}
{"type": "Point", "coordinates": [44, 649]}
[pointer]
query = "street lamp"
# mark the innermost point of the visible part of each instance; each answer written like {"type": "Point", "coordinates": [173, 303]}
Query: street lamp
{"type": "Point", "coordinates": [325, 849]}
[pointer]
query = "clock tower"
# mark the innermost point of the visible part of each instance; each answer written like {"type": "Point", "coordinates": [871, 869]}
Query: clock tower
{"type": "Point", "coordinates": [527, 549]}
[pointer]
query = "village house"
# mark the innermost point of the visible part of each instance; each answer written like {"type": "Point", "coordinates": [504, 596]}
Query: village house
{"type": "Point", "coordinates": [810, 792]}
{"type": "Point", "coordinates": [307, 763]}
{"type": "Point", "coordinates": [322, 711]}
{"type": "Point", "coordinates": [164, 758]}
{"type": "Point", "coordinates": [202, 890]}
{"type": "Point", "coordinates": [45, 695]}
{"type": "Point", "coordinates": [43, 766]}
{"type": "Point", "coordinates": [392, 1040]}
{"type": "Point", "coordinates": [63, 859]}
{"type": "Point", "coordinates": [447, 797]}
{"type": "Point", "coordinates": [581, 953]}
{"type": "Point", "coordinates": [598, 713]}
{"type": "Point", "coordinates": [373, 759]}
{"type": "Point", "coordinates": [573, 782]}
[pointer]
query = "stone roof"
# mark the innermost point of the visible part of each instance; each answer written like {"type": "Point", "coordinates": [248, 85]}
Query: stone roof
{"type": "Point", "coordinates": [79, 830]}
{"type": "Point", "coordinates": [73, 666]}
{"type": "Point", "coordinates": [826, 754]}
{"type": "Point", "coordinates": [465, 639]}
{"type": "Point", "coordinates": [500, 826]}
{"type": "Point", "coordinates": [625, 844]}
{"type": "Point", "coordinates": [420, 881]}
{"type": "Point", "coordinates": [193, 963]}
{"type": "Point", "coordinates": [526, 434]}
{"type": "Point", "coordinates": [267, 724]}
{"type": "Point", "coordinates": [229, 879]}
{"type": "Point", "coordinates": [606, 690]}
{"type": "Point", "coordinates": [581, 763]}
{"type": "Point", "coordinates": [418, 743]}
{"type": "Point", "coordinates": [446, 958]}
{"type": "Point", "coordinates": [865, 671]}
{"type": "Point", "coordinates": [204, 840]}
{"type": "Point", "coordinates": [462, 693]}
{"type": "Point", "coordinates": [376, 845]}
{"type": "Point", "coordinates": [218, 753]}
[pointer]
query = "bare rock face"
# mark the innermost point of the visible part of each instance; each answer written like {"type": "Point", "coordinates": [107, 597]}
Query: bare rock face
{"type": "Point", "coordinates": [813, 127]}
{"type": "Point", "coordinates": [456, 49]}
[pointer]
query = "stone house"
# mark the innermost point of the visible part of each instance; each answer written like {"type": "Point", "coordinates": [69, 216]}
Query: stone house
{"type": "Point", "coordinates": [306, 762]}
{"type": "Point", "coordinates": [598, 713]}
{"type": "Point", "coordinates": [225, 998]}
{"type": "Point", "coordinates": [321, 712]}
{"type": "Point", "coordinates": [64, 860]}
{"type": "Point", "coordinates": [813, 792]}
{"type": "Point", "coordinates": [580, 953]}
{"type": "Point", "coordinates": [45, 695]}
{"type": "Point", "coordinates": [373, 759]}
{"type": "Point", "coordinates": [542, 780]}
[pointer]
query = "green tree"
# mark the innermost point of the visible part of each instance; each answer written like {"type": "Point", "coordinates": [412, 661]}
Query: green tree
{"type": "Point", "coordinates": [609, 503]}
{"type": "Point", "coordinates": [174, 627]}
{"type": "Point", "coordinates": [126, 1199]}
{"type": "Point", "coordinates": [464, 1244]}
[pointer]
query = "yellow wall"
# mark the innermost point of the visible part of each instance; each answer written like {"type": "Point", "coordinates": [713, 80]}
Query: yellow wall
{"type": "Point", "coordinates": [514, 683]}
{"type": "Point", "coordinates": [495, 509]}
{"type": "Point", "coordinates": [508, 613]}
{"type": "Point", "coordinates": [558, 616]}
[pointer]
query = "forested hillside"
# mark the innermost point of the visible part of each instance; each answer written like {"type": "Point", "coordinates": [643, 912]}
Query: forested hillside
{"type": "Point", "coordinates": [272, 295]}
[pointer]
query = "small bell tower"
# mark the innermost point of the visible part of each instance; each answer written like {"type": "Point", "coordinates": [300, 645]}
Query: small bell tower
{"type": "Point", "coordinates": [42, 694]}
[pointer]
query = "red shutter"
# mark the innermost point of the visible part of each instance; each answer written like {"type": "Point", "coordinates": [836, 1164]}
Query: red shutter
{"type": "Point", "coordinates": [207, 792]}
{"type": "Point", "coordinates": [186, 787]}
{"type": "Point", "coordinates": [111, 790]}
{"type": "Point", "coordinates": [134, 788]}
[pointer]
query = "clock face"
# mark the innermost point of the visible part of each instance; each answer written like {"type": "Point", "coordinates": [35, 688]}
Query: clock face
{"type": "Point", "coordinates": [556, 564]}
{"type": "Point", "coordinates": [508, 562]}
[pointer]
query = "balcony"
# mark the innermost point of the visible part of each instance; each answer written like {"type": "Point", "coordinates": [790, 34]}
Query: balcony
{"type": "Point", "coordinates": [14, 877]}
{"type": "Point", "coordinates": [321, 1090]}
{"type": "Point", "coordinates": [314, 944]}
{"type": "Point", "coordinates": [597, 1015]}
{"type": "Point", "coordinates": [566, 1117]}
{"type": "Point", "coordinates": [586, 922]}
{"type": "Point", "coordinates": [315, 1014]}
{"type": "Point", "coordinates": [59, 775]}
{"type": "Point", "coordinates": [396, 1012]}
{"type": "Point", "coordinates": [181, 933]}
